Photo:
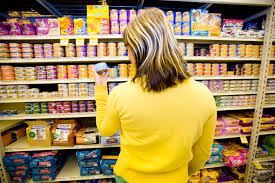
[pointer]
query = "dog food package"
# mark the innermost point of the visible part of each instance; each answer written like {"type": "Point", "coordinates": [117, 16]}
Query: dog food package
{"type": "Point", "coordinates": [45, 159]}
{"type": "Point", "coordinates": [66, 26]}
{"type": "Point", "coordinates": [27, 27]}
{"type": "Point", "coordinates": [46, 177]}
{"type": "Point", "coordinates": [98, 19]}
{"type": "Point", "coordinates": [89, 171]}
{"type": "Point", "coordinates": [86, 135]}
{"type": "Point", "coordinates": [63, 132]}
{"type": "Point", "coordinates": [6, 138]}
{"type": "Point", "coordinates": [38, 133]}
{"type": "Point", "coordinates": [16, 159]}
{"type": "Point", "coordinates": [88, 154]}
{"type": "Point", "coordinates": [54, 28]}
{"type": "Point", "coordinates": [49, 170]}
{"type": "Point", "coordinates": [107, 163]}
{"type": "Point", "coordinates": [18, 132]}
{"type": "Point", "coordinates": [80, 26]}
{"type": "Point", "coordinates": [89, 163]}
{"type": "Point", "coordinates": [20, 167]}
{"type": "Point", "coordinates": [108, 172]}
{"type": "Point", "coordinates": [42, 26]}
{"type": "Point", "coordinates": [21, 178]}
{"type": "Point", "coordinates": [199, 22]}
{"type": "Point", "coordinates": [215, 24]}
{"type": "Point", "coordinates": [19, 172]}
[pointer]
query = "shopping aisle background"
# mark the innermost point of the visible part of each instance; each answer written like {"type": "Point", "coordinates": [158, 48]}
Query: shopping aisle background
{"type": "Point", "coordinates": [47, 51]}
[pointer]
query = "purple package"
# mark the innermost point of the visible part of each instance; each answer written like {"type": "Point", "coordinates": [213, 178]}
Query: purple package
{"type": "Point", "coordinates": [4, 28]}
{"type": "Point", "coordinates": [131, 14]}
{"type": "Point", "coordinates": [42, 26]}
{"type": "Point", "coordinates": [27, 27]}
{"type": "Point", "coordinates": [15, 28]}
{"type": "Point", "coordinates": [225, 177]}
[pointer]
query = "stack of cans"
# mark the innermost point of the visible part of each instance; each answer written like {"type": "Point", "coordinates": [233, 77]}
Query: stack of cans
{"type": "Point", "coordinates": [91, 50]}
{"type": "Point", "coordinates": [51, 72]}
{"type": "Point", "coordinates": [123, 70]}
{"type": "Point", "coordinates": [22, 91]}
{"type": "Point", "coordinates": [190, 49]}
{"type": "Point", "coordinates": [114, 22]}
{"type": "Point", "coordinates": [121, 49]}
{"type": "Point", "coordinates": [190, 69]}
{"type": "Point", "coordinates": [38, 51]}
{"type": "Point", "coordinates": [170, 17]}
{"type": "Point", "coordinates": [123, 20]}
{"type": "Point", "coordinates": [241, 50]}
{"type": "Point", "coordinates": [52, 107]}
{"type": "Point", "coordinates": [270, 84]}
{"type": "Point", "coordinates": [15, 50]}
{"type": "Point", "coordinates": [81, 51]}
{"type": "Point", "coordinates": [82, 106]}
{"type": "Point", "coordinates": [111, 49]}
{"type": "Point", "coordinates": [48, 51]}
{"type": "Point", "coordinates": [75, 107]}
{"type": "Point", "coordinates": [102, 49]}
{"type": "Point", "coordinates": [72, 71]}
{"type": "Point", "coordinates": [4, 50]}
{"type": "Point", "coordinates": [271, 69]}
{"type": "Point", "coordinates": [90, 71]}
{"type": "Point", "coordinates": [90, 106]}
{"type": "Point", "coordinates": [256, 69]}
{"type": "Point", "coordinates": [70, 50]}
{"type": "Point", "coordinates": [63, 90]}
{"type": "Point", "coordinates": [59, 107]}
{"type": "Point", "coordinates": [249, 50]}
{"type": "Point", "coordinates": [214, 50]}
{"type": "Point", "coordinates": [113, 72]}
{"type": "Point", "coordinates": [41, 72]}
{"type": "Point", "coordinates": [256, 51]}
{"type": "Point", "coordinates": [44, 107]}
{"type": "Point", "coordinates": [33, 92]}
{"type": "Point", "coordinates": [131, 70]}
{"type": "Point", "coordinates": [62, 72]}
{"type": "Point", "coordinates": [177, 23]}
{"type": "Point", "coordinates": [207, 68]}
{"type": "Point", "coordinates": [30, 73]}
{"type": "Point", "coordinates": [19, 73]}
{"type": "Point", "coordinates": [232, 50]}
{"type": "Point", "coordinates": [67, 107]}
{"type": "Point", "coordinates": [199, 69]}
{"type": "Point", "coordinates": [83, 89]}
{"type": "Point", "coordinates": [83, 71]}
{"type": "Point", "coordinates": [223, 50]}
{"type": "Point", "coordinates": [11, 91]}
{"type": "Point", "coordinates": [91, 87]}
{"type": "Point", "coordinates": [27, 50]}
{"type": "Point", "coordinates": [73, 90]}
{"type": "Point", "coordinates": [58, 50]}
{"type": "Point", "coordinates": [32, 108]}
{"type": "Point", "coordinates": [182, 48]}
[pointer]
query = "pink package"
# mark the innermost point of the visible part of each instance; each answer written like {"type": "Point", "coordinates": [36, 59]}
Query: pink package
{"type": "Point", "coordinates": [233, 159]}
{"type": "Point", "coordinates": [231, 130]}
{"type": "Point", "coordinates": [230, 26]}
{"type": "Point", "coordinates": [15, 28]}
{"type": "Point", "coordinates": [4, 28]}
{"type": "Point", "coordinates": [230, 121]}
{"type": "Point", "coordinates": [27, 27]}
{"type": "Point", "coordinates": [54, 28]}
{"type": "Point", "coordinates": [42, 26]}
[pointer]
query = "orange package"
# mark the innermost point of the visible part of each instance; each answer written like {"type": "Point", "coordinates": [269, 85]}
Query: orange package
{"type": "Point", "coordinates": [98, 19]}
{"type": "Point", "coordinates": [66, 26]}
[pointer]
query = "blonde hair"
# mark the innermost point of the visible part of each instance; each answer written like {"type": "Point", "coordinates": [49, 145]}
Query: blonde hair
{"type": "Point", "coordinates": [159, 62]}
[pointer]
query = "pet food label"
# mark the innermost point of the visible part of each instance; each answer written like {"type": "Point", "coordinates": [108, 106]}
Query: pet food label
{"type": "Point", "coordinates": [62, 132]}
{"type": "Point", "coordinates": [45, 171]}
{"type": "Point", "coordinates": [98, 19]}
{"type": "Point", "coordinates": [38, 132]}
{"type": "Point", "coordinates": [44, 163]}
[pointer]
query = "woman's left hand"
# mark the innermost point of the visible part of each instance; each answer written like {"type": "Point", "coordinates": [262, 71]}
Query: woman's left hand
{"type": "Point", "coordinates": [101, 79]}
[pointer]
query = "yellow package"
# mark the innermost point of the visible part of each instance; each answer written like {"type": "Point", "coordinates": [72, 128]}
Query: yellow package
{"type": "Point", "coordinates": [214, 24]}
{"type": "Point", "coordinates": [194, 180]}
{"type": "Point", "coordinates": [38, 133]}
{"type": "Point", "coordinates": [98, 19]}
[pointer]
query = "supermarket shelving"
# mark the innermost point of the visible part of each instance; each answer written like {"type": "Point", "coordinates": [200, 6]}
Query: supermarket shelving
{"type": "Point", "coordinates": [265, 159]}
{"type": "Point", "coordinates": [6, 125]}
{"type": "Point", "coordinates": [47, 116]}
{"type": "Point", "coordinates": [22, 145]}
{"type": "Point", "coordinates": [45, 99]}
{"type": "Point", "coordinates": [215, 165]}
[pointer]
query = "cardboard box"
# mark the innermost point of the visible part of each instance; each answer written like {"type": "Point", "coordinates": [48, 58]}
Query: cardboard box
{"type": "Point", "coordinates": [98, 19]}
{"type": "Point", "coordinates": [199, 22]}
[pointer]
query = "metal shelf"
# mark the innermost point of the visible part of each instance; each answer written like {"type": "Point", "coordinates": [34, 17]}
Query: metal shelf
{"type": "Point", "coordinates": [234, 2]}
{"type": "Point", "coordinates": [265, 159]}
{"type": "Point", "coordinates": [269, 132]}
{"type": "Point", "coordinates": [224, 77]}
{"type": "Point", "coordinates": [46, 99]}
{"type": "Point", "coordinates": [215, 165]}
{"type": "Point", "coordinates": [48, 116]}
{"type": "Point", "coordinates": [22, 145]}
{"type": "Point", "coordinates": [233, 93]}
{"type": "Point", "coordinates": [6, 125]}
{"type": "Point", "coordinates": [64, 60]}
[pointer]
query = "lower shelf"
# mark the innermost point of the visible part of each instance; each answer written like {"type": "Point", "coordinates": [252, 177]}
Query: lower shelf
{"type": "Point", "coordinates": [215, 165]}
{"type": "Point", "coordinates": [265, 159]}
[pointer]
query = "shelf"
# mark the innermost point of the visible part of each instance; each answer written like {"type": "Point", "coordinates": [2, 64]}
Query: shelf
{"type": "Point", "coordinates": [230, 136]}
{"type": "Point", "coordinates": [215, 165]}
{"type": "Point", "coordinates": [271, 77]}
{"type": "Point", "coordinates": [224, 77]}
{"type": "Point", "coordinates": [265, 159]}
{"type": "Point", "coordinates": [22, 145]}
{"type": "Point", "coordinates": [46, 99]}
{"type": "Point", "coordinates": [234, 93]}
{"type": "Point", "coordinates": [227, 59]}
{"type": "Point", "coordinates": [234, 108]}
{"type": "Point", "coordinates": [234, 2]}
{"type": "Point", "coordinates": [64, 60]}
{"type": "Point", "coordinates": [269, 132]}
{"type": "Point", "coordinates": [48, 116]}
{"type": "Point", "coordinates": [6, 125]}
{"type": "Point", "coordinates": [55, 81]}
{"type": "Point", "coordinates": [71, 172]}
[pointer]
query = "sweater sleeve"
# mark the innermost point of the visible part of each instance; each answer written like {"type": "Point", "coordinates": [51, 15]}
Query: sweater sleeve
{"type": "Point", "coordinates": [107, 120]}
{"type": "Point", "coordinates": [202, 149]}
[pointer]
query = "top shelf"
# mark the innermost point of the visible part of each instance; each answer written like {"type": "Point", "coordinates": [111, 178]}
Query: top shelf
{"type": "Point", "coordinates": [119, 37]}
{"type": "Point", "coordinates": [234, 2]}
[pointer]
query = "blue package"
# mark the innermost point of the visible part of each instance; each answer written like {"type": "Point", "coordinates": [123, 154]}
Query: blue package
{"type": "Point", "coordinates": [45, 159]}
{"type": "Point", "coordinates": [177, 28]}
{"type": "Point", "coordinates": [178, 17]}
{"type": "Point", "coordinates": [16, 159]}
{"type": "Point", "coordinates": [199, 22]}
{"type": "Point", "coordinates": [80, 155]}
{"type": "Point", "coordinates": [48, 170]}
{"type": "Point", "coordinates": [108, 172]}
{"type": "Point", "coordinates": [21, 178]}
{"type": "Point", "coordinates": [44, 177]}
{"type": "Point", "coordinates": [89, 163]}
{"type": "Point", "coordinates": [113, 140]}
{"type": "Point", "coordinates": [106, 166]}
{"type": "Point", "coordinates": [20, 167]}
{"type": "Point", "coordinates": [217, 149]}
{"type": "Point", "coordinates": [80, 26]}
{"type": "Point", "coordinates": [19, 173]}
{"type": "Point", "coordinates": [100, 67]}
{"type": "Point", "coordinates": [214, 159]}
{"type": "Point", "coordinates": [89, 171]}
{"type": "Point", "coordinates": [170, 17]}
{"type": "Point", "coordinates": [106, 163]}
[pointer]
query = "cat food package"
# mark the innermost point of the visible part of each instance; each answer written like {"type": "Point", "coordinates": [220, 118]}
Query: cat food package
{"type": "Point", "coordinates": [231, 27]}
{"type": "Point", "coordinates": [63, 132]}
{"type": "Point", "coordinates": [27, 27]}
{"type": "Point", "coordinates": [88, 154]}
{"type": "Point", "coordinates": [66, 26]}
{"type": "Point", "coordinates": [16, 159]}
{"type": "Point", "coordinates": [98, 19]}
{"type": "Point", "coordinates": [215, 24]}
{"type": "Point", "coordinates": [199, 22]}
{"type": "Point", "coordinates": [54, 28]}
{"type": "Point", "coordinates": [185, 26]}
{"type": "Point", "coordinates": [42, 26]}
{"type": "Point", "coordinates": [14, 25]}
{"type": "Point", "coordinates": [38, 133]}
{"type": "Point", "coordinates": [80, 26]}
{"type": "Point", "coordinates": [4, 28]}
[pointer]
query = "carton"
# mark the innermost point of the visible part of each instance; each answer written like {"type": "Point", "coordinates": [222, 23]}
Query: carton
{"type": "Point", "coordinates": [98, 19]}
{"type": "Point", "coordinates": [66, 26]}
{"type": "Point", "coordinates": [54, 28]}
{"type": "Point", "coordinates": [199, 22]}
{"type": "Point", "coordinates": [215, 24]}
{"type": "Point", "coordinates": [80, 26]}
{"type": "Point", "coordinates": [42, 26]}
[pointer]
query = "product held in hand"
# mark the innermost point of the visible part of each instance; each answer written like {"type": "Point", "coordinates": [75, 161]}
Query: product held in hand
{"type": "Point", "coordinates": [101, 67]}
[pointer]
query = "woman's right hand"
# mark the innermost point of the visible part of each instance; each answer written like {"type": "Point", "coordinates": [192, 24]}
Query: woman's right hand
{"type": "Point", "coordinates": [101, 79]}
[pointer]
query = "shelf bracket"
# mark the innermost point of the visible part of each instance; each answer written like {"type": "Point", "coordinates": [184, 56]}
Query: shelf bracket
{"type": "Point", "coordinates": [50, 8]}
{"type": "Point", "coordinates": [140, 4]}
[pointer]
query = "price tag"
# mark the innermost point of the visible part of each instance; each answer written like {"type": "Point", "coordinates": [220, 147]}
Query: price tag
{"type": "Point", "coordinates": [64, 42]}
{"type": "Point", "coordinates": [258, 165]}
{"type": "Point", "coordinates": [244, 139]}
{"type": "Point", "coordinates": [93, 41]}
{"type": "Point", "coordinates": [79, 42]}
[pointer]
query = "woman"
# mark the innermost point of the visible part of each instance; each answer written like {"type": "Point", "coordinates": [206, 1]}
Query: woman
{"type": "Point", "coordinates": [166, 118]}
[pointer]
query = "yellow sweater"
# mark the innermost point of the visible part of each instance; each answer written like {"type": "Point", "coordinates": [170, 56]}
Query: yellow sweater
{"type": "Point", "coordinates": [165, 136]}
